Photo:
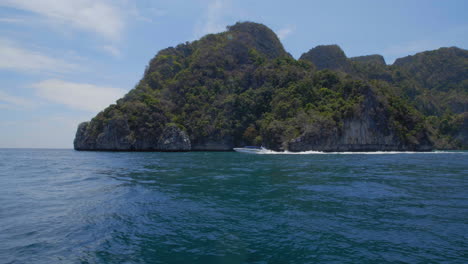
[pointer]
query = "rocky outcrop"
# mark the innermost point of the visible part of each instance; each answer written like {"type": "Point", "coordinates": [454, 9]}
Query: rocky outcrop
{"type": "Point", "coordinates": [117, 136]}
{"type": "Point", "coordinates": [259, 37]}
{"type": "Point", "coordinates": [83, 141]}
{"type": "Point", "coordinates": [173, 139]}
{"type": "Point", "coordinates": [330, 57]}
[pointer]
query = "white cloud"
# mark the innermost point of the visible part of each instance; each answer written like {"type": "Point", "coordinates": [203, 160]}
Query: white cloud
{"type": "Point", "coordinates": [98, 16]}
{"type": "Point", "coordinates": [81, 96]}
{"type": "Point", "coordinates": [212, 20]}
{"type": "Point", "coordinates": [112, 50]}
{"type": "Point", "coordinates": [9, 101]}
{"type": "Point", "coordinates": [285, 32]}
{"type": "Point", "coordinates": [14, 57]}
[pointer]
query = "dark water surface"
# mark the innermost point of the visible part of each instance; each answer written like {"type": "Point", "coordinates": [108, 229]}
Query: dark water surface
{"type": "Point", "coordinates": [62, 206]}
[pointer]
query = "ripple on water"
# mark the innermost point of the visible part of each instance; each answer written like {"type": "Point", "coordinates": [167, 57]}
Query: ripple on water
{"type": "Point", "coordinates": [62, 206]}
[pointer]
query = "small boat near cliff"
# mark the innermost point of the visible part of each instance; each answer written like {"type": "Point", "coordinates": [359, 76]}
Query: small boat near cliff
{"type": "Point", "coordinates": [250, 149]}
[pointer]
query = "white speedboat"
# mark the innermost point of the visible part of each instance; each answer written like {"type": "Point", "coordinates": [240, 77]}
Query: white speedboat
{"type": "Point", "coordinates": [250, 149]}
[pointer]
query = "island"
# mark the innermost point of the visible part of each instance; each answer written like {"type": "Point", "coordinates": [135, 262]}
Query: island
{"type": "Point", "coordinates": [240, 87]}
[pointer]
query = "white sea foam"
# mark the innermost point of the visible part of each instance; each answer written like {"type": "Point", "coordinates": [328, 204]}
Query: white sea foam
{"type": "Point", "coordinates": [312, 152]}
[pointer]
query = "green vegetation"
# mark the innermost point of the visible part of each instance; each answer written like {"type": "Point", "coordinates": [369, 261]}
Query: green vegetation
{"type": "Point", "coordinates": [242, 87]}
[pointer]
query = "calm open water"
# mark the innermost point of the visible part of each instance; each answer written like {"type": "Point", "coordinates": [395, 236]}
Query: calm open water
{"type": "Point", "coordinates": [63, 206]}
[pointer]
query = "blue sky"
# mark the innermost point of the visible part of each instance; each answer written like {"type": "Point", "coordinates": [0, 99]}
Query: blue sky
{"type": "Point", "coordinates": [61, 62]}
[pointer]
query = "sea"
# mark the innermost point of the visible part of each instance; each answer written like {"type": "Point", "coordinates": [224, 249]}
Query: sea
{"type": "Point", "coordinates": [66, 206]}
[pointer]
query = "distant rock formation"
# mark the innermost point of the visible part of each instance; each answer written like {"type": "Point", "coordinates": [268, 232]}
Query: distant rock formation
{"type": "Point", "coordinates": [330, 57]}
{"type": "Point", "coordinates": [240, 87]}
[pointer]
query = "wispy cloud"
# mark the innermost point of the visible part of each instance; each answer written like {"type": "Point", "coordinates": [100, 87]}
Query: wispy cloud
{"type": "Point", "coordinates": [9, 101]}
{"type": "Point", "coordinates": [285, 32]}
{"type": "Point", "coordinates": [12, 20]}
{"type": "Point", "coordinates": [14, 57]}
{"type": "Point", "coordinates": [211, 21]}
{"type": "Point", "coordinates": [98, 16]}
{"type": "Point", "coordinates": [81, 96]}
{"type": "Point", "coordinates": [144, 11]}
{"type": "Point", "coordinates": [112, 50]}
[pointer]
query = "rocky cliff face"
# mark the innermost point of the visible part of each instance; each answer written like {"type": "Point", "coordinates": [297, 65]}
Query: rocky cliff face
{"type": "Point", "coordinates": [117, 136]}
{"type": "Point", "coordinates": [370, 130]}
{"type": "Point", "coordinates": [462, 134]}
{"type": "Point", "coordinates": [173, 139]}
{"type": "Point", "coordinates": [82, 138]}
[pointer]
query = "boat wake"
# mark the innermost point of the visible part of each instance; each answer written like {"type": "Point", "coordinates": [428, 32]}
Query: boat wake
{"type": "Point", "coordinates": [272, 152]}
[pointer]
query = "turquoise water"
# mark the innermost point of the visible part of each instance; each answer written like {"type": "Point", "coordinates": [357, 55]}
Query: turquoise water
{"type": "Point", "coordinates": [63, 206]}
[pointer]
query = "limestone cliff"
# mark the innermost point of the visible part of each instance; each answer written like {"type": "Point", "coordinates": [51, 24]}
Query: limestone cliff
{"type": "Point", "coordinates": [370, 130]}
{"type": "Point", "coordinates": [173, 139]}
